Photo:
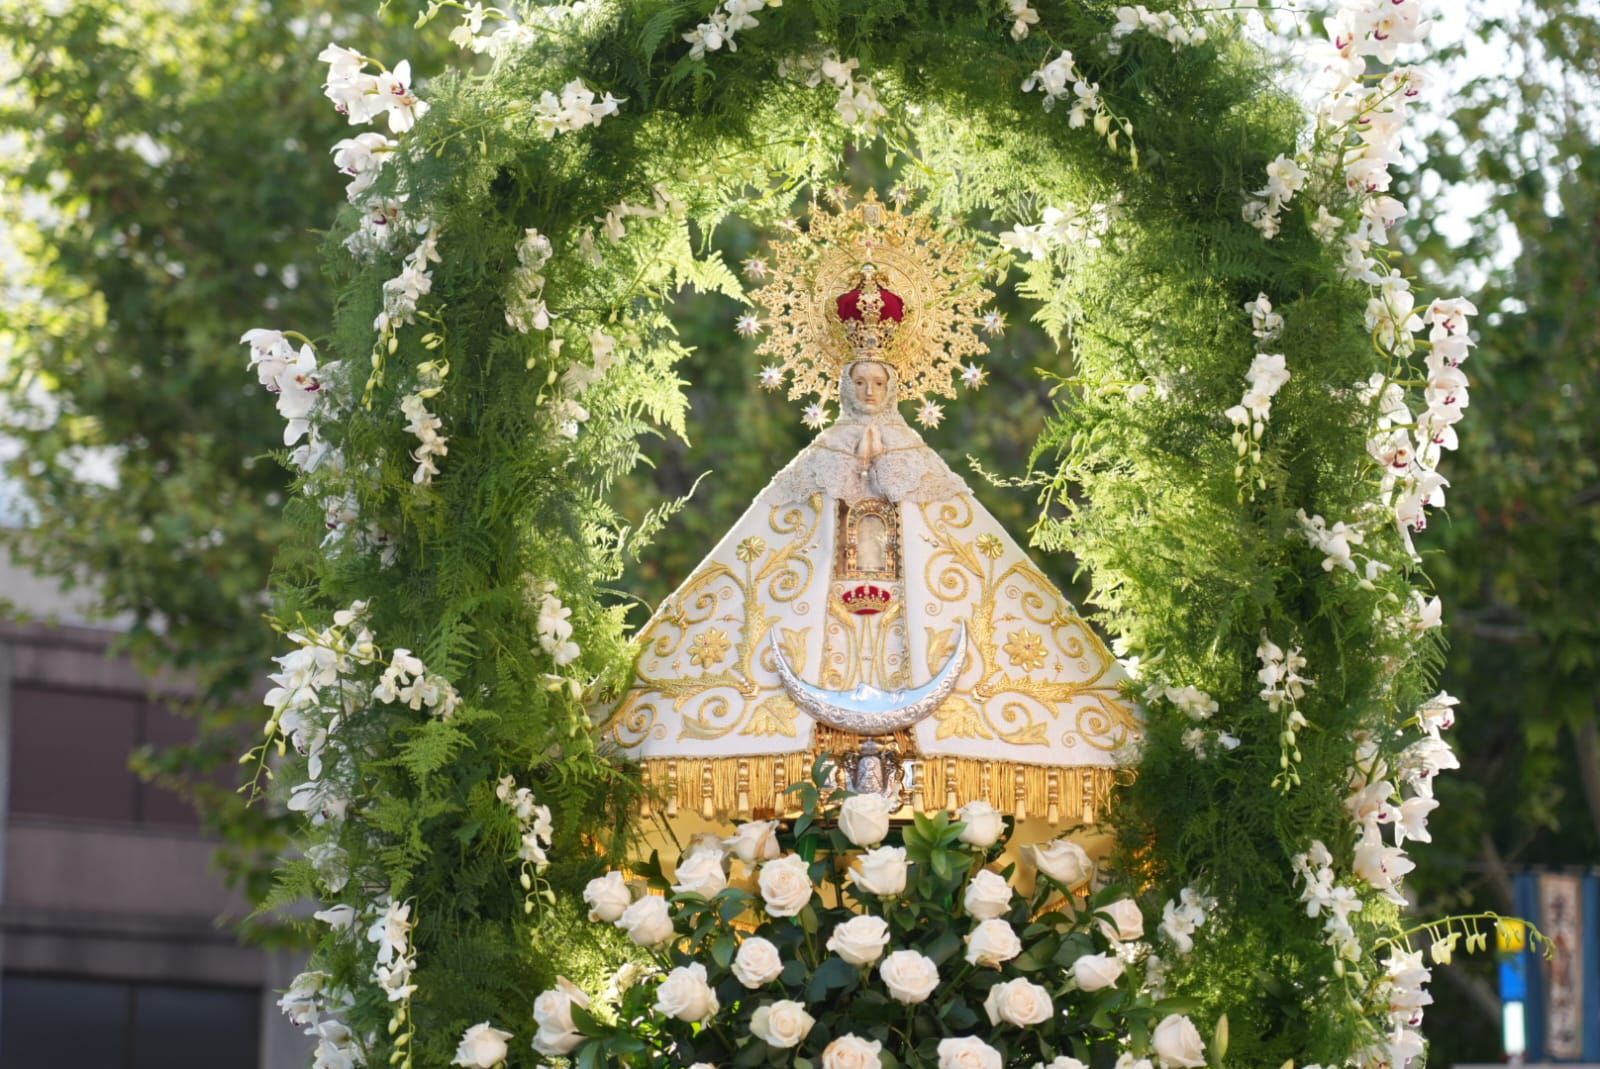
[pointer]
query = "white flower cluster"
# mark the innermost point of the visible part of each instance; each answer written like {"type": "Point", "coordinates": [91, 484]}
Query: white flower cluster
{"type": "Point", "coordinates": [555, 627]}
{"type": "Point", "coordinates": [1163, 24]}
{"type": "Point", "coordinates": [312, 1003]}
{"type": "Point", "coordinates": [1061, 78]}
{"type": "Point", "coordinates": [785, 887]}
{"type": "Point", "coordinates": [390, 930]}
{"type": "Point", "coordinates": [1400, 798]}
{"type": "Point", "coordinates": [362, 96]}
{"type": "Point", "coordinates": [576, 108]}
{"type": "Point", "coordinates": [468, 33]}
{"type": "Point", "coordinates": [1409, 453]}
{"type": "Point", "coordinates": [415, 280]}
{"type": "Point", "coordinates": [383, 223]}
{"type": "Point", "coordinates": [1267, 375]}
{"type": "Point", "coordinates": [1404, 992]}
{"type": "Point", "coordinates": [724, 25]}
{"type": "Point", "coordinates": [569, 413]}
{"type": "Point", "coordinates": [1182, 917]}
{"type": "Point", "coordinates": [289, 374]}
{"type": "Point", "coordinates": [1058, 228]}
{"type": "Point", "coordinates": [858, 103]}
{"type": "Point", "coordinates": [362, 158]}
{"type": "Point", "coordinates": [1285, 178]}
{"type": "Point", "coordinates": [1338, 543]}
{"type": "Point", "coordinates": [1282, 687]}
{"type": "Point", "coordinates": [313, 693]}
{"type": "Point", "coordinates": [424, 425]}
{"type": "Point", "coordinates": [312, 999]}
{"type": "Point", "coordinates": [525, 307]}
{"type": "Point", "coordinates": [533, 821]}
{"type": "Point", "coordinates": [1324, 896]}
{"type": "Point", "coordinates": [613, 225]}
{"type": "Point", "coordinates": [1265, 323]}
{"type": "Point", "coordinates": [1202, 739]}
{"type": "Point", "coordinates": [1359, 122]}
{"type": "Point", "coordinates": [407, 681]}
{"type": "Point", "coordinates": [337, 1047]}
{"type": "Point", "coordinates": [1023, 18]}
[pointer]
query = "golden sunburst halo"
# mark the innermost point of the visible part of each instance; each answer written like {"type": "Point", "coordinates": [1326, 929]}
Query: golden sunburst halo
{"type": "Point", "coordinates": [864, 250]}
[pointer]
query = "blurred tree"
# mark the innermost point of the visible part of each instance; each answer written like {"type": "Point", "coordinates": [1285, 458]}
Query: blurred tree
{"type": "Point", "coordinates": [1519, 561]}
{"type": "Point", "coordinates": [168, 170]}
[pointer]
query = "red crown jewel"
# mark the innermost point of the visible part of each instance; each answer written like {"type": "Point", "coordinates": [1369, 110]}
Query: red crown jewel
{"type": "Point", "coordinates": [866, 599]}
{"type": "Point", "coordinates": [869, 314]}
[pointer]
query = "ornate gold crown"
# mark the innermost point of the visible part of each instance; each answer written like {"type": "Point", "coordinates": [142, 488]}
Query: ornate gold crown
{"type": "Point", "coordinates": [872, 283]}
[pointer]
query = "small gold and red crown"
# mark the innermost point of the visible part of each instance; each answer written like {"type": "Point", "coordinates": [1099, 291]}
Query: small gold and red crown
{"type": "Point", "coordinates": [866, 599]}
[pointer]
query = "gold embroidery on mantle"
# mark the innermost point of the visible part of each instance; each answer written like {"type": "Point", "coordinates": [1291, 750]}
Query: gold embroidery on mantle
{"type": "Point", "coordinates": [1044, 637]}
{"type": "Point", "coordinates": [682, 627]}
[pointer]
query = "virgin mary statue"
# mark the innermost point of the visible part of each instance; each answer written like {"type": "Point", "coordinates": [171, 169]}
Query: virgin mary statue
{"type": "Point", "coordinates": [866, 608]}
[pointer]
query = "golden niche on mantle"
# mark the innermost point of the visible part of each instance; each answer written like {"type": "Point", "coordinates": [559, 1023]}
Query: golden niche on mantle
{"type": "Point", "coordinates": [867, 585]}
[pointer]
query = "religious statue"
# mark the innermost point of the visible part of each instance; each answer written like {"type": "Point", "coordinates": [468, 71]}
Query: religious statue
{"type": "Point", "coordinates": [866, 608]}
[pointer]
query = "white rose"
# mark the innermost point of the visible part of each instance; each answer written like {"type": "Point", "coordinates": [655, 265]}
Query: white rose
{"type": "Point", "coordinates": [852, 1052]}
{"type": "Point", "coordinates": [647, 922]}
{"type": "Point", "coordinates": [684, 994]}
{"type": "Point", "coordinates": [482, 1047]}
{"type": "Point", "coordinates": [1126, 922]}
{"type": "Point", "coordinates": [909, 976]}
{"type": "Point", "coordinates": [783, 1024]}
{"type": "Point", "coordinates": [1019, 1002]}
{"type": "Point", "coordinates": [607, 896]}
{"type": "Point", "coordinates": [864, 818]}
{"type": "Point", "coordinates": [988, 895]}
{"type": "Point", "coordinates": [1094, 971]}
{"type": "Point", "coordinates": [785, 885]}
{"type": "Point", "coordinates": [991, 943]}
{"type": "Point", "coordinates": [754, 841]}
{"type": "Point", "coordinates": [552, 1010]}
{"type": "Point", "coordinates": [969, 1052]}
{"type": "Point", "coordinates": [701, 873]}
{"type": "Point", "coordinates": [881, 872]}
{"type": "Point", "coordinates": [984, 824]}
{"type": "Point", "coordinates": [1061, 1061]}
{"type": "Point", "coordinates": [1178, 1043]}
{"type": "Point", "coordinates": [757, 962]}
{"type": "Point", "coordinates": [860, 940]}
{"type": "Point", "coordinates": [1063, 861]}
{"type": "Point", "coordinates": [556, 1044]}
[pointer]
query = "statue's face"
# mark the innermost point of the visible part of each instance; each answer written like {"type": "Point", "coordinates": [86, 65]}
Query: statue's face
{"type": "Point", "coordinates": [871, 380]}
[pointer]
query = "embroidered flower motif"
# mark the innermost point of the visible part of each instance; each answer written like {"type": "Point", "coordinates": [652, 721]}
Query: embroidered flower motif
{"type": "Point", "coordinates": [989, 545]}
{"type": "Point", "coordinates": [1026, 650]}
{"type": "Point", "coordinates": [709, 648]}
{"type": "Point", "coordinates": [750, 548]}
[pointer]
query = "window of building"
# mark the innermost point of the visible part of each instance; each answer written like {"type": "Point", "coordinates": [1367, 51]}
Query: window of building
{"type": "Point", "coordinates": [48, 1023]}
{"type": "Point", "coordinates": [69, 757]}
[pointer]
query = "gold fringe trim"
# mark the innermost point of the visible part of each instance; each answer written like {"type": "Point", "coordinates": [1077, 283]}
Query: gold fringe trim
{"type": "Point", "coordinates": [754, 788]}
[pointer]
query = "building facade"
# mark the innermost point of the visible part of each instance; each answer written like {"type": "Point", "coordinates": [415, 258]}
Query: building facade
{"type": "Point", "coordinates": [116, 949]}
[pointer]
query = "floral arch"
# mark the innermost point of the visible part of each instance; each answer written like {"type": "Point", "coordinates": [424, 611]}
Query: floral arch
{"type": "Point", "coordinates": [1245, 440]}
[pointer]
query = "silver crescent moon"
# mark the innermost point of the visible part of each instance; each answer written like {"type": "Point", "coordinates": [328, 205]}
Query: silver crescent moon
{"type": "Point", "coordinates": [867, 710]}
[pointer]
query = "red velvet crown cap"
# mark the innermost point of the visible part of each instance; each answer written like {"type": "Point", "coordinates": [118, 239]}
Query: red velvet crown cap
{"type": "Point", "coordinates": [893, 307]}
